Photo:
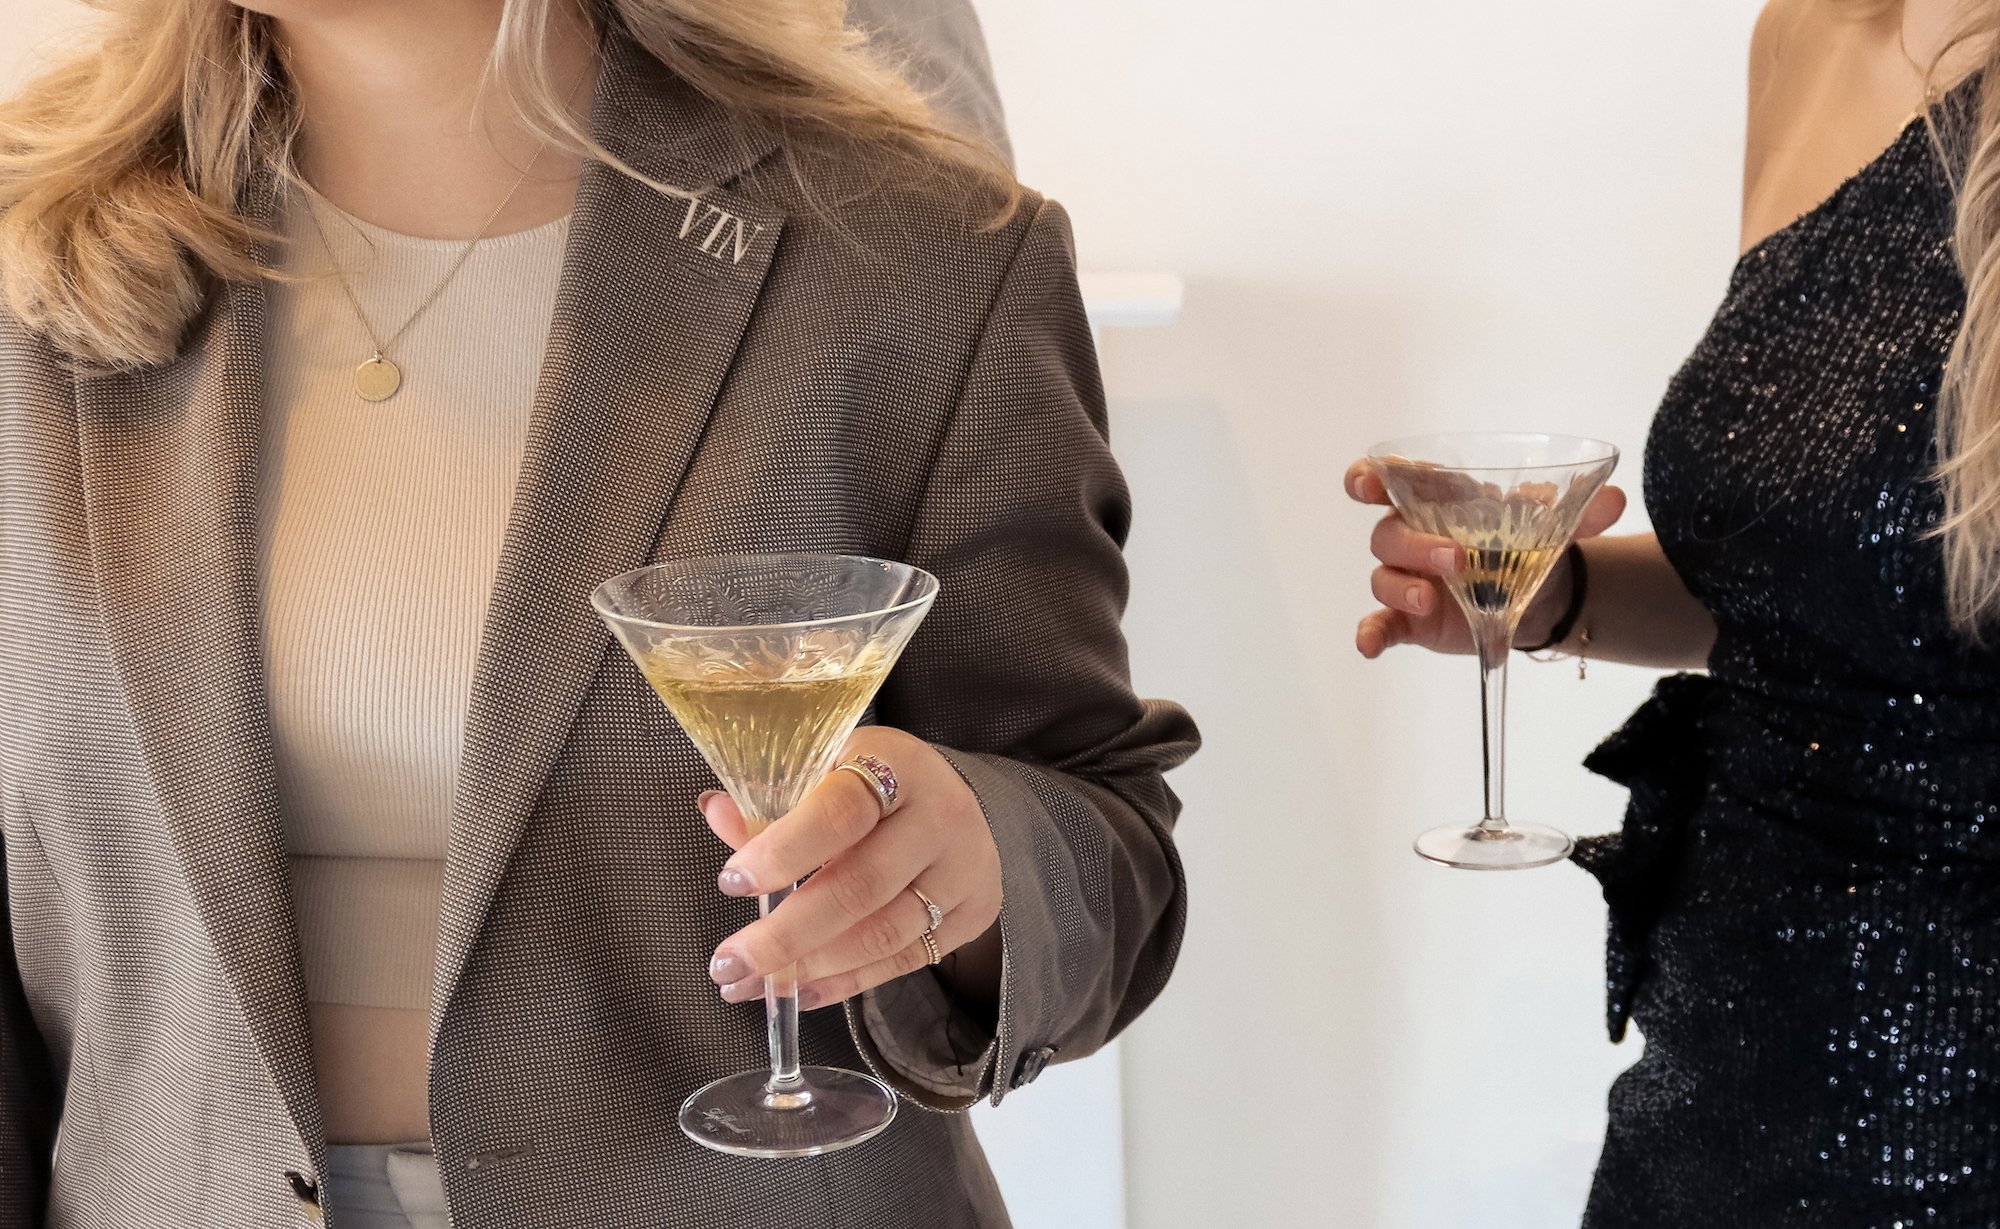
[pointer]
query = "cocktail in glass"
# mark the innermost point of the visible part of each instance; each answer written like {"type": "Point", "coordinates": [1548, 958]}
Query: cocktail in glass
{"type": "Point", "coordinates": [767, 662]}
{"type": "Point", "coordinates": [1512, 502]}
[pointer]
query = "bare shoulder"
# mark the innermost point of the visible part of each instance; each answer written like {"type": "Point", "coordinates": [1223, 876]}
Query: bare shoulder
{"type": "Point", "coordinates": [1773, 21]}
{"type": "Point", "coordinates": [1832, 83]}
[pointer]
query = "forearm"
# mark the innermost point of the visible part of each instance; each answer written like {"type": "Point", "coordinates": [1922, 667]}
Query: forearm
{"type": "Point", "coordinates": [1019, 679]}
{"type": "Point", "coordinates": [1636, 608]}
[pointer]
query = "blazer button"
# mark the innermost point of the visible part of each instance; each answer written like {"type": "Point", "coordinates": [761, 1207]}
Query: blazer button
{"type": "Point", "coordinates": [307, 1194]}
{"type": "Point", "coordinates": [1031, 1065]}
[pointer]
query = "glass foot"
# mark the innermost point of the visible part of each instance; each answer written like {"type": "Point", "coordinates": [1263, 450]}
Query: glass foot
{"type": "Point", "coordinates": [831, 1109]}
{"type": "Point", "coordinates": [1513, 848]}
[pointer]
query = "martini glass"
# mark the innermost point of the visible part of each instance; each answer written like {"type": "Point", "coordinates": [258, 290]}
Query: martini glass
{"type": "Point", "coordinates": [1512, 502]}
{"type": "Point", "coordinates": [767, 661]}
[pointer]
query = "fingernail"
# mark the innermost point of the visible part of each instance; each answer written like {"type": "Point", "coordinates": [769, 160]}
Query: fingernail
{"type": "Point", "coordinates": [810, 998]}
{"type": "Point", "coordinates": [739, 992]}
{"type": "Point", "coordinates": [727, 968]}
{"type": "Point", "coordinates": [1414, 597]}
{"type": "Point", "coordinates": [1445, 560]}
{"type": "Point", "coordinates": [701, 803]}
{"type": "Point", "coordinates": [734, 882]}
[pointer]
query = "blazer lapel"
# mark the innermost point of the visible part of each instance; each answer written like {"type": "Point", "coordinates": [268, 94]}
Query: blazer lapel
{"type": "Point", "coordinates": [170, 466]}
{"type": "Point", "coordinates": [656, 291]}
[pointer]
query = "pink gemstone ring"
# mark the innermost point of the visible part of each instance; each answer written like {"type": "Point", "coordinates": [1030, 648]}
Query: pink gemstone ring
{"type": "Point", "coordinates": [880, 777]}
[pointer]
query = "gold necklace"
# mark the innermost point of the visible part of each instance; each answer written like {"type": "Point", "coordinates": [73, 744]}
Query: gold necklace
{"type": "Point", "coordinates": [379, 377]}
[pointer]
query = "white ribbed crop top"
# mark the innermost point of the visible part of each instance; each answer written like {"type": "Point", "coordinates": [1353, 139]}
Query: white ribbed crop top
{"type": "Point", "coordinates": [381, 532]}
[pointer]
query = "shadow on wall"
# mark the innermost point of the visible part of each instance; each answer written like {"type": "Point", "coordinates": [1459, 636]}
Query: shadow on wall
{"type": "Point", "coordinates": [1251, 1055]}
{"type": "Point", "coordinates": [1298, 385]}
{"type": "Point", "coordinates": [1252, 1090]}
{"type": "Point", "coordinates": [1336, 1030]}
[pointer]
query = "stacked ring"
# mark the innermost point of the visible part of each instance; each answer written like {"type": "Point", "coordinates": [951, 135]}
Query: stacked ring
{"type": "Point", "coordinates": [936, 920]}
{"type": "Point", "coordinates": [937, 914]}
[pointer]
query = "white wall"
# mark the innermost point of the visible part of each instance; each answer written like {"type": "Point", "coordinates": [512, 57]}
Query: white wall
{"type": "Point", "coordinates": [1392, 218]}
{"type": "Point", "coordinates": [29, 31]}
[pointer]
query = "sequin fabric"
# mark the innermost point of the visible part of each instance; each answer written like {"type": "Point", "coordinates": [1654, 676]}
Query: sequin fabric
{"type": "Point", "coordinates": [1806, 894]}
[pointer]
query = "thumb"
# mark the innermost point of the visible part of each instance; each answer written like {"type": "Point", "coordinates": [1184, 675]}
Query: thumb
{"type": "Point", "coordinates": [724, 819]}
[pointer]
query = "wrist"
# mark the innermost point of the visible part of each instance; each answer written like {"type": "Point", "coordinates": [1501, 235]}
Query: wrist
{"type": "Point", "coordinates": [1546, 610]}
{"type": "Point", "coordinates": [1549, 625]}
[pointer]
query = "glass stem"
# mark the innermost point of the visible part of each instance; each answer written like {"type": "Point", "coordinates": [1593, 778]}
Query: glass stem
{"type": "Point", "coordinates": [781, 1011]}
{"type": "Point", "coordinates": [1495, 643]}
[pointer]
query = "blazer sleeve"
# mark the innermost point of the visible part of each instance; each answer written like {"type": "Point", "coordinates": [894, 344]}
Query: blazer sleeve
{"type": "Point", "coordinates": [1019, 677]}
{"type": "Point", "coordinates": [29, 1097]}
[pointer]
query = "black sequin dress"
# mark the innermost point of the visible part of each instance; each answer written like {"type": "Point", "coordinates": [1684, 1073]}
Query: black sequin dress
{"type": "Point", "coordinates": [1805, 896]}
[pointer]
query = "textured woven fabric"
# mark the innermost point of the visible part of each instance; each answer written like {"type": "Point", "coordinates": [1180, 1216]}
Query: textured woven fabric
{"type": "Point", "coordinates": [870, 370]}
{"type": "Point", "coordinates": [1806, 895]}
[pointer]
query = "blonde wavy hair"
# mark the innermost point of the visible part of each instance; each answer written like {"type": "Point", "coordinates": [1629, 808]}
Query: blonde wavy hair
{"type": "Point", "coordinates": [1969, 407]}
{"type": "Point", "coordinates": [124, 167]}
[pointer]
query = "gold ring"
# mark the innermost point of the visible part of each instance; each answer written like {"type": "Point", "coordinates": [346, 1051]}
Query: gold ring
{"type": "Point", "coordinates": [930, 945]}
{"type": "Point", "coordinates": [937, 914]}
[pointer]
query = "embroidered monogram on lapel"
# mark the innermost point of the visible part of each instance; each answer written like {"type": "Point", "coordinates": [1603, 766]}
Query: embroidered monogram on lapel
{"type": "Point", "coordinates": [728, 238]}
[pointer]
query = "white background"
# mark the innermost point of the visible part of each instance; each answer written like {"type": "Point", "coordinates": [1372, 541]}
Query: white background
{"type": "Point", "coordinates": [1392, 218]}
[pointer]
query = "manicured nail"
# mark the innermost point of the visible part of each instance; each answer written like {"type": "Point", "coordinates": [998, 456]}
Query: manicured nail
{"type": "Point", "coordinates": [741, 992]}
{"type": "Point", "coordinates": [727, 968]}
{"type": "Point", "coordinates": [734, 882]}
{"type": "Point", "coordinates": [809, 998]}
{"type": "Point", "coordinates": [1444, 560]}
{"type": "Point", "coordinates": [1414, 598]}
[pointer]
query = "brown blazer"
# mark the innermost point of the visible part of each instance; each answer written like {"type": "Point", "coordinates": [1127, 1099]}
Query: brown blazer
{"type": "Point", "coordinates": [865, 370]}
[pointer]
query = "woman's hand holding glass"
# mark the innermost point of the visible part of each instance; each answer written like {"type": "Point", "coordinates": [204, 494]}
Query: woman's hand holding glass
{"type": "Point", "coordinates": [855, 923]}
{"type": "Point", "coordinates": [1415, 608]}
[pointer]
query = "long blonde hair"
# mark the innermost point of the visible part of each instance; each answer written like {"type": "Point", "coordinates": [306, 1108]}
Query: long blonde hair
{"type": "Point", "coordinates": [1969, 404]}
{"type": "Point", "coordinates": [123, 168]}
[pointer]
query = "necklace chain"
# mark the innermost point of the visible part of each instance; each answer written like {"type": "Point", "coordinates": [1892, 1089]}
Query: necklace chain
{"type": "Point", "coordinates": [381, 358]}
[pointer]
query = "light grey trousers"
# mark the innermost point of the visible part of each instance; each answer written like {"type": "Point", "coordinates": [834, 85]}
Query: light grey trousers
{"type": "Point", "coordinates": [384, 1186]}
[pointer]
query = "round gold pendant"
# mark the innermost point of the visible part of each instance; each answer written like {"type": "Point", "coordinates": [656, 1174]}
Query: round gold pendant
{"type": "Point", "coordinates": [377, 379]}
